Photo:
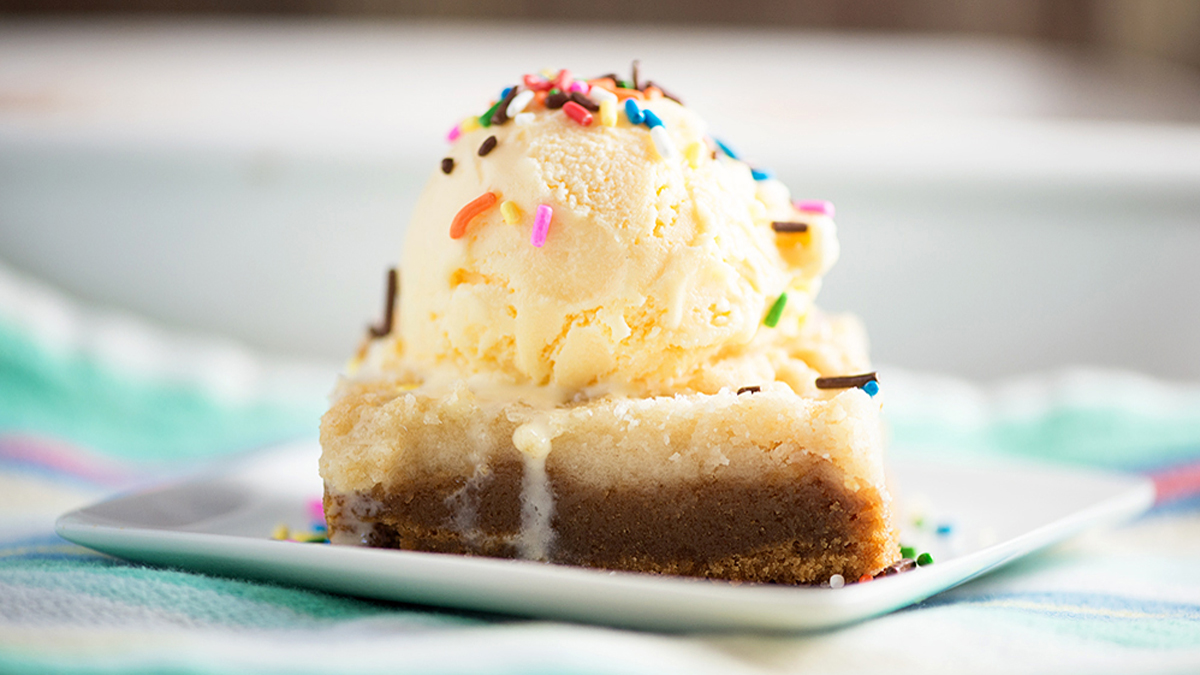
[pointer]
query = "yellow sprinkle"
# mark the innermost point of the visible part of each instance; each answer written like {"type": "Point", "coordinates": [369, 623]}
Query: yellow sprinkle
{"type": "Point", "coordinates": [549, 74]}
{"type": "Point", "coordinates": [608, 113]}
{"type": "Point", "coordinates": [280, 533]}
{"type": "Point", "coordinates": [511, 213]}
{"type": "Point", "coordinates": [694, 152]}
{"type": "Point", "coordinates": [469, 124]}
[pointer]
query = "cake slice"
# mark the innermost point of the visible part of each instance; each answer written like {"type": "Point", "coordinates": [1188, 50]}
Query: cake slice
{"type": "Point", "coordinates": [762, 486]}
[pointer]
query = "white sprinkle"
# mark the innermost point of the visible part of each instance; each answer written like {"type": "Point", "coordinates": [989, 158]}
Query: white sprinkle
{"type": "Point", "coordinates": [837, 581]}
{"type": "Point", "coordinates": [599, 94]}
{"type": "Point", "coordinates": [523, 119]}
{"type": "Point", "coordinates": [662, 143]}
{"type": "Point", "coordinates": [517, 105]}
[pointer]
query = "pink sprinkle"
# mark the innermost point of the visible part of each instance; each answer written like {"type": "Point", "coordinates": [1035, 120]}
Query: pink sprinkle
{"type": "Point", "coordinates": [454, 134]}
{"type": "Point", "coordinates": [562, 79]}
{"type": "Point", "coordinates": [815, 206]}
{"type": "Point", "coordinates": [541, 224]}
{"type": "Point", "coordinates": [316, 510]}
{"type": "Point", "coordinates": [579, 86]}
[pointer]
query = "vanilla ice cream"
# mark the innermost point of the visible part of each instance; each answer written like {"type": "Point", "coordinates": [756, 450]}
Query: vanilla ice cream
{"type": "Point", "coordinates": [655, 276]}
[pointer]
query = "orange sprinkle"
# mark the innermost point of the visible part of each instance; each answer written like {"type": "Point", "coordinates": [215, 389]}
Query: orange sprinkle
{"type": "Point", "coordinates": [605, 82]}
{"type": "Point", "coordinates": [653, 92]}
{"type": "Point", "coordinates": [629, 93]}
{"type": "Point", "coordinates": [865, 578]}
{"type": "Point", "coordinates": [539, 98]}
{"type": "Point", "coordinates": [473, 208]}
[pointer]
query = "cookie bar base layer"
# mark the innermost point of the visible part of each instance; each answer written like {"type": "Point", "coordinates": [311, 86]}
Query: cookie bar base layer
{"type": "Point", "coordinates": [746, 507]}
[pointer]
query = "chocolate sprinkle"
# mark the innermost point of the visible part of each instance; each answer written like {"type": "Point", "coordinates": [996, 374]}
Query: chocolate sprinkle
{"type": "Point", "coordinates": [489, 144]}
{"type": "Point", "coordinates": [846, 381]}
{"type": "Point", "coordinates": [447, 164]}
{"type": "Point", "coordinates": [389, 307]}
{"type": "Point", "coordinates": [665, 93]}
{"type": "Point", "coordinates": [636, 84]}
{"type": "Point", "coordinates": [788, 227]}
{"type": "Point", "coordinates": [749, 390]}
{"type": "Point", "coordinates": [556, 100]}
{"type": "Point", "coordinates": [904, 565]}
{"type": "Point", "coordinates": [584, 101]}
{"type": "Point", "coordinates": [501, 114]}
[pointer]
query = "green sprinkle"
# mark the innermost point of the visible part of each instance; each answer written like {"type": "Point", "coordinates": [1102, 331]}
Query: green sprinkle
{"type": "Point", "coordinates": [553, 91]}
{"type": "Point", "coordinates": [776, 311]}
{"type": "Point", "coordinates": [485, 120]}
{"type": "Point", "coordinates": [924, 559]}
{"type": "Point", "coordinates": [907, 551]}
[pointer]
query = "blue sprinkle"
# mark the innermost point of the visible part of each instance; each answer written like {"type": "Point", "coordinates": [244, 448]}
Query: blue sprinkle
{"type": "Point", "coordinates": [650, 118]}
{"type": "Point", "coordinates": [726, 149]}
{"type": "Point", "coordinates": [319, 528]}
{"type": "Point", "coordinates": [945, 528]}
{"type": "Point", "coordinates": [505, 92]}
{"type": "Point", "coordinates": [871, 388]}
{"type": "Point", "coordinates": [633, 112]}
{"type": "Point", "coordinates": [760, 174]}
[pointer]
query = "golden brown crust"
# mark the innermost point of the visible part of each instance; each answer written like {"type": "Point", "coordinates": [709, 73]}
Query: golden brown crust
{"type": "Point", "coordinates": [797, 527]}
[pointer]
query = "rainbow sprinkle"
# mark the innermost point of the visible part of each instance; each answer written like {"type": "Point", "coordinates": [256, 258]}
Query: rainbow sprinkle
{"type": "Point", "coordinates": [600, 94]}
{"type": "Point", "coordinates": [662, 142]}
{"type": "Point", "coordinates": [633, 112]}
{"type": "Point", "coordinates": [815, 206]}
{"type": "Point", "coordinates": [519, 103]}
{"type": "Point", "coordinates": [608, 112]}
{"type": "Point", "coordinates": [776, 311]}
{"type": "Point", "coordinates": [726, 149]}
{"type": "Point", "coordinates": [485, 120]}
{"type": "Point", "coordinates": [316, 509]}
{"type": "Point", "coordinates": [535, 83]}
{"type": "Point", "coordinates": [467, 213]}
{"type": "Point", "coordinates": [563, 80]}
{"type": "Point", "coordinates": [510, 212]}
{"type": "Point", "coordinates": [541, 225]}
{"type": "Point", "coordinates": [577, 113]}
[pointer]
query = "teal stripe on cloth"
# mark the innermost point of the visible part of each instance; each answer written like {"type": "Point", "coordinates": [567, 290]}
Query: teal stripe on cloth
{"type": "Point", "coordinates": [72, 397]}
{"type": "Point", "coordinates": [1099, 616]}
{"type": "Point", "coordinates": [112, 593]}
{"type": "Point", "coordinates": [1100, 419]}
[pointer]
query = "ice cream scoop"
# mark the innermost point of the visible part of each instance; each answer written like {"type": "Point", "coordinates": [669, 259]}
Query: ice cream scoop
{"type": "Point", "coordinates": [584, 242]}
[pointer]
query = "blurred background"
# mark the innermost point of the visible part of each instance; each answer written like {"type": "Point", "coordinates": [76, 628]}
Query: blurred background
{"type": "Point", "coordinates": [1018, 183]}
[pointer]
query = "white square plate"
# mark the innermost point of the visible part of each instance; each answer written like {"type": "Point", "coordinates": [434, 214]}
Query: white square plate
{"type": "Point", "coordinates": [222, 523]}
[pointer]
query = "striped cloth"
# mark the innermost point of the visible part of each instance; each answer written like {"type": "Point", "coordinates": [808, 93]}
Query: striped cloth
{"type": "Point", "coordinates": [82, 418]}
